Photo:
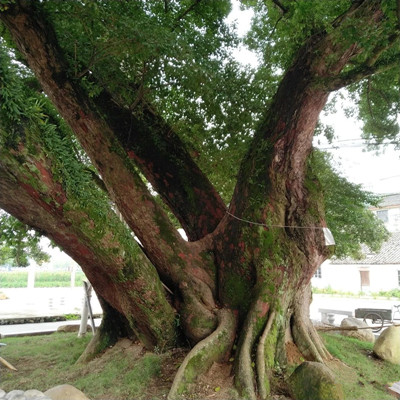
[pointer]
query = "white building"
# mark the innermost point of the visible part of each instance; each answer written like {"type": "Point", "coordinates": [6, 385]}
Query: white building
{"type": "Point", "coordinates": [376, 271]}
{"type": "Point", "coordinates": [389, 212]}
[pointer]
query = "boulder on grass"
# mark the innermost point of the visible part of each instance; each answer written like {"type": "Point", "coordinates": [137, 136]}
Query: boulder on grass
{"type": "Point", "coordinates": [71, 328]}
{"type": "Point", "coordinates": [387, 346]}
{"type": "Point", "coordinates": [314, 381]}
{"type": "Point", "coordinates": [366, 335]}
{"type": "Point", "coordinates": [64, 392]}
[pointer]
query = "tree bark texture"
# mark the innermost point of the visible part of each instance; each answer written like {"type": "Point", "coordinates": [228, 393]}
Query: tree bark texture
{"type": "Point", "coordinates": [246, 271]}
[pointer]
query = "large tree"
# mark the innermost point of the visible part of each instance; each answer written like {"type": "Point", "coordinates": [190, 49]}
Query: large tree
{"type": "Point", "coordinates": [160, 127]}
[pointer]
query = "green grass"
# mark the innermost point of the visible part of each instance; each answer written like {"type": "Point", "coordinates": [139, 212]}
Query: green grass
{"type": "Point", "coordinates": [127, 372]}
{"type": "Point", "coordinates": [367, 377]}
{"type": "Point", "coordinates": [19, 279]}
{"type": "Point", "coordinates": [394, 293]}
{"type": "Point", "coordinates": [123, 372]}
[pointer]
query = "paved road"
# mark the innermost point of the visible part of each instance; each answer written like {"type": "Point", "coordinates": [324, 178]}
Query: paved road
{"type": "Point", "coordinates": [42, 328]}
{"type": "Point", "coordinates": [346, 304]}
{"type": "Point", "coordinates": [41, 302]}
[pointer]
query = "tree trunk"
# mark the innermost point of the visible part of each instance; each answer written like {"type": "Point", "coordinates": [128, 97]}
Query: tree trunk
{"type": "Point", "coordinates": [98, 242]}
{"type": "Point", "coordinates": [247, 271]}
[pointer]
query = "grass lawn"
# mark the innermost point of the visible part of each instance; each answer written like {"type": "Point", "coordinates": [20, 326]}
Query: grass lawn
{"type": "Point", "coordinates": [364, 377]}
{"type": "Point", "coordinates": [127, 371]}
{"type": "Point", "coordinates": [19, 279]}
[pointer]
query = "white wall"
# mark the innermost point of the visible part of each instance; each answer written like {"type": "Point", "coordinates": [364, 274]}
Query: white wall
{"type": "Point", "coordinates": [393, 224]}
{"type": "Point", "coordinates": [346, 278]}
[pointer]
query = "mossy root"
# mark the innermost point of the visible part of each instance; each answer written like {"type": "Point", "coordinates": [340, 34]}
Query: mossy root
{"type": "Point", "coordinates": [214, 348]}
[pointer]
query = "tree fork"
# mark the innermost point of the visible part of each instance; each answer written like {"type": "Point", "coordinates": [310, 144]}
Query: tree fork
{"type": "Point", "coordinates": [199, 210]}
{"type": "Point", "coordinates": [173, 258]}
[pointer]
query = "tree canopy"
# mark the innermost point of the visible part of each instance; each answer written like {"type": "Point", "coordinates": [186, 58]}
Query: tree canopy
{"type": "Point", "coordinates": [123, 119]}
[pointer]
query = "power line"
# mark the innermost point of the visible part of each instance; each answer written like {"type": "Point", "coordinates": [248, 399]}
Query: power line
{"type": "Point", "coordinates": [364, 144]}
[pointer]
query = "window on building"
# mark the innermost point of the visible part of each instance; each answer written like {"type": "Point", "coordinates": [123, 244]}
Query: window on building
{"type": "Point", "coordinates": [383, 215]}
{"type": "Point", "coordinates": [318, 273]}
{"type": "Point", "coordinates": [364, 275]}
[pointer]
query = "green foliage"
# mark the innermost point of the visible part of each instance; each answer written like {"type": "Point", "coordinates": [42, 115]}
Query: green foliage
{"type": "Point", "coordinates": [379, 106]}
{"type": "Point", "coordinates": [19, 243]}
{"type": "Point", "coordinates": [175, 58]}
{"type": "Point", "coordinates": [347, 214]}
{"type": "Point", "coordinates": [389, 294]}
{"type": "Point", "coordinates": [28, 117]}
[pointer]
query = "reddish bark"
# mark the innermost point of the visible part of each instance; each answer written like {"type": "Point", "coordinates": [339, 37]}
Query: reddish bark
{"type": "Point", "coordinates": [261, 256]}
{"type": "Point", "coordinates": [137, 296]}
{"type": "Point", "coordinates": [162, 242]}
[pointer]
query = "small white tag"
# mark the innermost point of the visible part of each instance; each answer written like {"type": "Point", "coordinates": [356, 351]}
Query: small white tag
{"type": "Point", "coordinates": [329, 240]}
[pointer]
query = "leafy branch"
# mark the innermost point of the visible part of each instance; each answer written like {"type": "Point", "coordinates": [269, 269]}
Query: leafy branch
{"type": "Point", "coordinates": [357, 74]}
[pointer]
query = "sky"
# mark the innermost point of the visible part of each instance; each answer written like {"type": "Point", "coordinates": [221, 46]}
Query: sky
{"type": "Point", "coordinates": [377, 173]}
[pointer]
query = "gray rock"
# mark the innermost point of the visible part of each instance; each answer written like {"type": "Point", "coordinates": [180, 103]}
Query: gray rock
{"type": "Point", "coordinates": [366, 335]}
{"type": "Point", "coordinates": [71, 328]}
{"type": "Point", "coordinates": [38, 398]}
{"type": "Point", "coordinates": [312, 380]}
{"type": "Point", "coordinates": [387, 346]}
{"type": "Point", "coordinates": [15, 395]}
{"type": "Point", "coordinates": [2, 394]}
{"type": "Point", "coordinates": [64, 392]}
{"type": "Point", "coordinates": [33, 394]}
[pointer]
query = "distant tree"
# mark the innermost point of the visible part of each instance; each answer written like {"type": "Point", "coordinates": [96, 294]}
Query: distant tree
{"type": "Point", "coordinates": [161, 126]}
{"type": "Point", "coordinates": [19, 243]}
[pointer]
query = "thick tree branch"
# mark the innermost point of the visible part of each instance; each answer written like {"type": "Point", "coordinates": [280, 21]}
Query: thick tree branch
{"type": "Point", "coordinates": [358, 74]}
{"type": "Point", "coordinates": [185, 12]}
{"type": "Point", "coordinates": [281, 7]}
{"type": "Point", "coordinates": [37, 43]}
{"type": "Point", "coordinates": [380, 49]}
{"type": "Point", "coordinates": [49, 210]}
{"type": "Point", "coordinates": [156, 149]}
{"type": "Point", "coordinates": [348, 13]}
{"type": "Point", "coordinates": [179, 263]}
{"type": "Point", "coordinates": [160, 154]}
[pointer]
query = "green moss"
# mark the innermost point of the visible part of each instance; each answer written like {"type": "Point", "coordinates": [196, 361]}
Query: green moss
{"type": "Point", "coordinates": [313, 380]}
{"type": "Point", "coordinates": [105, 341]}
{"type": "Point", "coordinates": [270, 346]}
{"type": "Point", "coordinates": [237, 292]}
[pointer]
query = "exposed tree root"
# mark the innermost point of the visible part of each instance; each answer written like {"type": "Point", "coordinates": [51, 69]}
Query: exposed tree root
{"type": "Point", "coordinates": [302, 339]}
{"type": "Point", "coordinates": [244, 376]}
{"type": "Point", "coordinates": [214, 348]}
{"type": "Point", "coordinates": [304, 333]}
{"type": "Point", "coordinates": [113, 327]}
{"type": "Point", "coordinates": [260, 360]}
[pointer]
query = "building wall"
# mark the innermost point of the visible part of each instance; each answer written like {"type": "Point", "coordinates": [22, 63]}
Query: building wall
{"type": "Point", "coordinates": [391, 218]}
{"type": "Point", "coordinates": [347, 278]}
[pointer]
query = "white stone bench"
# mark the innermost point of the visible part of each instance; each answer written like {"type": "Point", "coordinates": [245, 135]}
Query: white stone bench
{"type": "Point", "coordinates": [328, 315]}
